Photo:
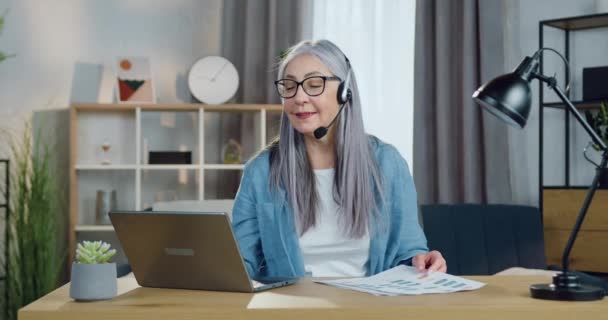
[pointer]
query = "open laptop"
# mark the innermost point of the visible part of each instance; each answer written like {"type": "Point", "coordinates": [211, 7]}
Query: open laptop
{"type": "Point", "coordinates": [186, 250]}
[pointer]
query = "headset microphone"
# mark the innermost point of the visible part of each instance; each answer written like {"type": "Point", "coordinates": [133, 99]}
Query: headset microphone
{"type": "Point", "coordinates": [344, 96]}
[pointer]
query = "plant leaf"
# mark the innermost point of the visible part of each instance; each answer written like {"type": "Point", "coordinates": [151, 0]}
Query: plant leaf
{"type": "Point", "coordinates": [2, 22]}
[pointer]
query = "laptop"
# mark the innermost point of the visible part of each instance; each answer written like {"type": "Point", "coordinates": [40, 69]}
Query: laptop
{"type": "Point", "coordinates": [186, 250]}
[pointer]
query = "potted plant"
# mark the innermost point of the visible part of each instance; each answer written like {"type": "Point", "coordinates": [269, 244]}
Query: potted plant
{"type": "Point", "coordinates": [93, 277]}
{"type": "Point", "coordinates": [599, 123]}
{"type": "Point", "coordinates": [35, 225]}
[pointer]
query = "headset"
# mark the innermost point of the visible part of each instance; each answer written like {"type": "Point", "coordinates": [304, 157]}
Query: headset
{"type": "Point", "coordinates": [345, 95]}
{"type": "Point", "coordinates": [344, 92]}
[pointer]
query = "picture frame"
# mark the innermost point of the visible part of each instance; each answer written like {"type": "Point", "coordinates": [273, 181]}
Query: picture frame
{"type": "Point", "coordinates": [134, 80]}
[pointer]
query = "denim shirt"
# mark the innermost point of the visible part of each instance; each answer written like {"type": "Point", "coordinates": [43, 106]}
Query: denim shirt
{"type": "Point", "coordinates": [264, 224]}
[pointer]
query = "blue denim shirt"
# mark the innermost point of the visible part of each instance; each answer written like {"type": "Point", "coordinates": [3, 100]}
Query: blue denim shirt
{"type": "Point", "coordinates": [264, 224]}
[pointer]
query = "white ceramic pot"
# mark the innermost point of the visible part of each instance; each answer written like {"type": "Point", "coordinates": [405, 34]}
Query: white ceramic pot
{"type": "Point", "coordinates": [90, 282]}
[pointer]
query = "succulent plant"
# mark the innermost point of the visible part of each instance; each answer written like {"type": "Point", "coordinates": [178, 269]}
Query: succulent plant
{"type": "Point", "coordinates": [94, 252]}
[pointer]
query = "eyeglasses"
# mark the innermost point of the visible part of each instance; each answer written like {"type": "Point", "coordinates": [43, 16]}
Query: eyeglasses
{"type": "Point", "coordinates": [312, 86]}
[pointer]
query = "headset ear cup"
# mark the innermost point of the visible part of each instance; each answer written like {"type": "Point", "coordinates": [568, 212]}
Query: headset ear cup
{"type": "Point", "coordinates": [344, 92]}
{"type": "Point", "coordinates": [341, 93]}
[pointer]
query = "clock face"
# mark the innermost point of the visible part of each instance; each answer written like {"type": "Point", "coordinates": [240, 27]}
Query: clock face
{"type": "Point", "coordinates": [213, 80]}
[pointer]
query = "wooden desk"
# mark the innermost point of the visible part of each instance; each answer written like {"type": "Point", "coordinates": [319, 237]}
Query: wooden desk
{"type": "Point", "coordinates": [504, 297]}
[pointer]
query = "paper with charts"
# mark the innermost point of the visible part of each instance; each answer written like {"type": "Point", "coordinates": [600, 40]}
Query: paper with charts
{"type": "Point", "coordinates": [406, 280]}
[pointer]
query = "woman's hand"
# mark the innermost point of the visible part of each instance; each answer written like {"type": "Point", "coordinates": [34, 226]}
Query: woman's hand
{"type": "Point", "coordinates": [430, 261]}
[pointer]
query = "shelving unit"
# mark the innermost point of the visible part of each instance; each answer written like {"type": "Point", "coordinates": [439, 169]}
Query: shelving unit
{"type": "Point", "coordinates": [561, 197]}
{"type": "Point", "coordinates": [132, 131]}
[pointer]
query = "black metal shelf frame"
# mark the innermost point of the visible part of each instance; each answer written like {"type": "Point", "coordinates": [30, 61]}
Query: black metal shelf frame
{"type": "Point", "coordinates": [567, 25]}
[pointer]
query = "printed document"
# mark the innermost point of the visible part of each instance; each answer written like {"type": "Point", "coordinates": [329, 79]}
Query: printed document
{"type": "Point", "coordinates": [405, 280]}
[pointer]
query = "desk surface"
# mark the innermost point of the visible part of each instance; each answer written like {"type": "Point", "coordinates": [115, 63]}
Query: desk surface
{"type": "Point", "coordinates": [504, 297]}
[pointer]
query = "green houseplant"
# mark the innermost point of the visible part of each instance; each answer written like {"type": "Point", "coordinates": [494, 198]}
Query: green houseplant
{"type": "Point", "coordinates": [599, 123]}
{"type": "Point", "coordinates": [3, 55]}
{"type": "Point", "coordinates": [36, 250]}
{"type": "Point", "coordinates": [93, 277]}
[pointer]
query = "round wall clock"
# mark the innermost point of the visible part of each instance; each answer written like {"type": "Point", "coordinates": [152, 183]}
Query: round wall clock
{"type": "Point", "coordinates": [213, 80]}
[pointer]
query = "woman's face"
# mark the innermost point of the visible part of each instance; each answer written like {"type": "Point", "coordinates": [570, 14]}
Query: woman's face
{"type": "Point", "coordinates": [306, 113]}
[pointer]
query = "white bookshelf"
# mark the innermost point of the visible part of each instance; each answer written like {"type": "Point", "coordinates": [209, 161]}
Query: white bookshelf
{"type": "Point", "coordinates": [85, 167]}
{"type": "Point", "coordinates": [169, 167]}
{"type": "Point", "coordinates": [132, 131]}
{"type": "Point", "coordinates": [224, 166]}
{"type": "Point", "coordinates": [93, 228]}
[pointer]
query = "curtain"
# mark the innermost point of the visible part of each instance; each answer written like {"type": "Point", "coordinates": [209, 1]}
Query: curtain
{"type": "Point", "coordinates": [254, 34]}
{"type": "Point", "coordinates": [461, 153]}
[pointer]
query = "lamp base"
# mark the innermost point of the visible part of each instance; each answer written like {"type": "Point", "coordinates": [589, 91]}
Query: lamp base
{"type": "Point", "coordinates": [566, 286]}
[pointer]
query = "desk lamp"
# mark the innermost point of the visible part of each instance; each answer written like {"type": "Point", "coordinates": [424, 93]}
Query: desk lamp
{"type": "Point", "coordinates": [509, 98]}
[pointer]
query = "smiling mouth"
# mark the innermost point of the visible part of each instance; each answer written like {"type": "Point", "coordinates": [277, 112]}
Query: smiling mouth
{"type": "Point", "coordinates": [305, 115]}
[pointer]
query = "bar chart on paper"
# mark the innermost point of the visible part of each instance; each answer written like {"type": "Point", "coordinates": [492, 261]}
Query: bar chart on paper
{"type": "Point", "coordinates": [405, 280]}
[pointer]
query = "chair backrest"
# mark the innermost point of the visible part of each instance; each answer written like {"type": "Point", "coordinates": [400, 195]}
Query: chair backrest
{"type": "Point", "coordinates": [485, 239]}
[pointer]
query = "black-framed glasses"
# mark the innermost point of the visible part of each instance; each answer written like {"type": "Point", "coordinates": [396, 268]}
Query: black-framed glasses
{"type": "Point", "coordinates": [312, 86]}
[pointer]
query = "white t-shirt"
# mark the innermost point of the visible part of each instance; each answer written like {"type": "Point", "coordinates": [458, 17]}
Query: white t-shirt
{"type": "Point", "coordinates": [326, 250]}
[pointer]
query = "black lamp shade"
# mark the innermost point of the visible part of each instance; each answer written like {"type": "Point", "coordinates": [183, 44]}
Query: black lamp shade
{"type": "Point", "coordinates": [508, 97]}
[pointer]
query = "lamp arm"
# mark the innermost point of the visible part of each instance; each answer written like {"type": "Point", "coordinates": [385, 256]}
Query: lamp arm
{"type": "Point", "coordinates": [552, 83]}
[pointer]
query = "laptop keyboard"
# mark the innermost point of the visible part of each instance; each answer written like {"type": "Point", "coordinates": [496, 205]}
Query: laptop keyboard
{"type": "Point", "coordinates": [257, 284]}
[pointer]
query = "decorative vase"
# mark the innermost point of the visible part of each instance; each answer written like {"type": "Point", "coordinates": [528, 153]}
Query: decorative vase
{"type": "Point", "coordinates": [91, 282]}
{"type": "Point", "coordinates": [106, 202]}
{"type": "Point", "coordinates": [231, 152]}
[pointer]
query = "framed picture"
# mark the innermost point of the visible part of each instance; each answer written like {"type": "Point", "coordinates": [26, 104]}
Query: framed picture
{"type": "Point", "coordinates": [134, 80]}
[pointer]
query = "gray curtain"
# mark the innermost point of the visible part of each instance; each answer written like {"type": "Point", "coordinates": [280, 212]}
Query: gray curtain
{"type": "Point", "coordinates": [254, 35]}
{"type": "Point", "coordinates": [460, 154]}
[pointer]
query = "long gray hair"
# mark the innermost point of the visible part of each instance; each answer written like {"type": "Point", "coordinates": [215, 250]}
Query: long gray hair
{"type": "Point", "coordinates": [357, 183]}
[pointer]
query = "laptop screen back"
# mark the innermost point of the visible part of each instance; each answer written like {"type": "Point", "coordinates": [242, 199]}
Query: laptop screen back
{"type": "Point", "coordinates": [182, 250]}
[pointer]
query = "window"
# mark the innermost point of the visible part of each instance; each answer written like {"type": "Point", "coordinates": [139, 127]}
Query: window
{"type": "Point", "coordinates": [378, 38]}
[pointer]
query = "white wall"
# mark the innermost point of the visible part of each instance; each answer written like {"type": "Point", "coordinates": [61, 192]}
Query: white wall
{"type": "Point", "coordinates": [48, 37]}
{"type": "Point", "coordinates": [587, 49]}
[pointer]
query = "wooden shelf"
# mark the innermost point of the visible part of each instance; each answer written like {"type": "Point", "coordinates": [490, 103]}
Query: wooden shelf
{"type": "Point", "coordinates": [224, 166]}
{"type": "Point", "coordinates": [175, 107]}
{"type": "Point", "coordinates": [101, 167]}
{"type": "Point", "coordinates": [170, 167]}
{"type": "Point", "coordinates": [560, 211]}
{"type": "Point", "coordinates": [581, 105]}
{"type": "Point", "coordinates": [93, 228]}
{"type": "Point", "coordinates": [579, 23]}
{"type": "Point", "coordinates": [565, 188]}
